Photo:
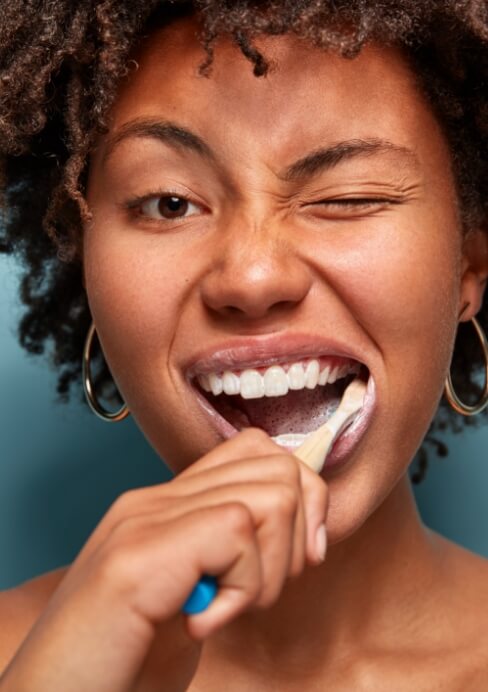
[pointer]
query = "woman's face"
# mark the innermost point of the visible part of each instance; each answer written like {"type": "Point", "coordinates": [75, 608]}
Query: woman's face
{"type": "Point", "coordinates": [311, 212]}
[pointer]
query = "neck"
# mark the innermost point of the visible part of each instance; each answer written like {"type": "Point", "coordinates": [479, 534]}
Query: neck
{"type": "Point", "coordinates": [371, 588]}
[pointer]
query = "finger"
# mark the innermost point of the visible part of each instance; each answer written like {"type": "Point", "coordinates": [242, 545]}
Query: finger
{"type": "Point", "coordinates": [275, 467]}
{"type": "Point", "coordinates": [247, 443]}
{"type": "Point", "coordinates": [278, 518]}
{"type": "Point", "coordinates": [240, 585]}
{"type": "Point", "coordinates": [157, 564]}
{"type": "Point", "coordinates": [316, 504]}
{"type": "Point", "coordinates": [253, 442]}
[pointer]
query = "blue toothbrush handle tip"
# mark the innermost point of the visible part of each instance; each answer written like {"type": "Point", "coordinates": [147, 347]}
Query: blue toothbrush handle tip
{"type": "Point", "coordinates": [202, 595]}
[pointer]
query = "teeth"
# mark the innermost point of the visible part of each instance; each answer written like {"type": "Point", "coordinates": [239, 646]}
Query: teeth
{"type": "Point", "coordinates": [276, 381]}
{"type": "Point", "coordinates": [312, 372]}
{"type": "Point", "coordinates": [333, 375]}
{"type": "Point", "coordinates": [231, 383]}
{"type": "Point", "coordinates": [324, 376]}
{"type": "Point", "coordinates": [290, 439]}
{"type": "Point", "coordinates": [296, 376]}
{"type": "Point", "coordinates": [216, 384]}
{"type": "Point", "coordinates": [252, 385]}
{"type": "Point", "coordinates": [203, 382]}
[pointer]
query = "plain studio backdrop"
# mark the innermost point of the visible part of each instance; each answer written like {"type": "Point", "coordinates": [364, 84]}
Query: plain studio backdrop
{"type": "Point", "coordinates": [61, 467]}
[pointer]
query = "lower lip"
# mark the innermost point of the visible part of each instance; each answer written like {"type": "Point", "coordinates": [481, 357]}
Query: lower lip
{"type": "Point", "coordinates": [342, 448]}
{"type": "Point", "coordinates": [347, 442]}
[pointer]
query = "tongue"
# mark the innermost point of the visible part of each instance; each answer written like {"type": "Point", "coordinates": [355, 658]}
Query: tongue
{"type": "Point", "coordinates": [299, 411]}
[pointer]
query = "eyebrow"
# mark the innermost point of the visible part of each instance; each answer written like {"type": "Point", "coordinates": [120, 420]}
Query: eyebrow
{"type": "Point", "coordinates": [167, 132]}
{"type": "Point", "coordinates": [325, 158]}
{"type": "Point", "coordinates": [317, 161]}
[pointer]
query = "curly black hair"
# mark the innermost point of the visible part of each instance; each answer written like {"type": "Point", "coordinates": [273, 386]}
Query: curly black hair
{"type": "Point", "coordinates": [62, 62]}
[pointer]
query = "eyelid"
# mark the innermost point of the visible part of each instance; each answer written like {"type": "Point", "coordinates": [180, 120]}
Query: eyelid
{"type": "Point", "coordinates": [351, 204]}
{"type": "Point", "coordinates": [338, 208]}
{"type": "Point", "coordinates": [358, 201]}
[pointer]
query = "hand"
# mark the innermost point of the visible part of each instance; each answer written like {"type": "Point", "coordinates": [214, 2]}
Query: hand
{"type": "Point", "coordinates": [247, 512]}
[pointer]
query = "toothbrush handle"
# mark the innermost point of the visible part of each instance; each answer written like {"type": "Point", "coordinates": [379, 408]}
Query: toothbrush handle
{"type": "Point", "coordinates": [202, 595]}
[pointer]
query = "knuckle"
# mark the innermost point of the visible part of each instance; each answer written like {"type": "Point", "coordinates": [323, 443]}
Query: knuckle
{"type": "Point", "coordinates": [286, 499]}
{"type": "Point", "coordinates": [255, 434]}
{"type": "Point", "coordinates": [126, 538]}
{"type": "Point", "coordinates": [268, 597]}
{"type": "Point", "coordinates": [255, 440]}
{"type": "Point", "coordinates": [124, 552]}
{"type": "Point", "coordinates": [290, 470]}
{"type": "Point", "coordinates": [116, 567]}
{"type": "Point", "coordinates": [125, 529]}
{"type": "Point", "coordinates": [238, 518]}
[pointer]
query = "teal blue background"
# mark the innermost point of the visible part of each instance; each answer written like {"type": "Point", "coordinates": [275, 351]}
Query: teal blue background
{"type": "Point", "coordinates": [61, 468]}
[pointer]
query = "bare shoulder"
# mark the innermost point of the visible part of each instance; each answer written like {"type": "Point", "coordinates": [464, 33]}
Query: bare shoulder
{"type": "Point", "coordinates": [465, 606]}
{"type": "Point", "coordinates": [20, 607]}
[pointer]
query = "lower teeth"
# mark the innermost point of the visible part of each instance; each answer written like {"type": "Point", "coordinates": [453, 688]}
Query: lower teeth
{"type": "Point", "coordinates": [290, 439]}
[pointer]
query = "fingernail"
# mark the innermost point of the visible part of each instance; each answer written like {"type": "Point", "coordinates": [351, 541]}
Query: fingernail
{"type": "Point", "coordinates": [321, 542]}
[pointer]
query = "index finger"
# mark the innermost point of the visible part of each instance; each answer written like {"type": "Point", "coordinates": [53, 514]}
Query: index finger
{"type": "Point", "coordinates": [247, 443]}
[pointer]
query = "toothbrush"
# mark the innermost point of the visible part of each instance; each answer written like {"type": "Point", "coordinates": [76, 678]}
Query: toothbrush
{"type": "Point", "coordinates": [313, 452]}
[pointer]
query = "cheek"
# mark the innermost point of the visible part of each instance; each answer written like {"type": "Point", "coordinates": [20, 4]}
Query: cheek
{"type": "Point", "coordinates": [401, 285]}
{"type": "Point", "coordinates": [402, 289]}
{"type": "Point", "coordinates": [413, 293]}
{"type": "Point", "coordinates": [135, 291]}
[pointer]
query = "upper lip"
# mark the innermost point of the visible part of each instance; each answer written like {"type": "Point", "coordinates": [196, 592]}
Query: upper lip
{"type": "Point", "coordinates": [247, 352]}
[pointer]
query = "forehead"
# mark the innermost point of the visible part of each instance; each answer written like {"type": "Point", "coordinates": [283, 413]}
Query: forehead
{"type": "Point", "coordinates": [308, 94]}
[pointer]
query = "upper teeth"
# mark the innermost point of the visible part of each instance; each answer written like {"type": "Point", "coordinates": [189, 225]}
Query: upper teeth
{"type": "Point", "coordinates": [275, 380]}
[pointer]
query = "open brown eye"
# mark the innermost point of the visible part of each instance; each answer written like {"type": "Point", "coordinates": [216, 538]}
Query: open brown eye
{"type": "Point", "coordinates": [172, 207]}
{"type": "Point", "coordinates": [160, 207]}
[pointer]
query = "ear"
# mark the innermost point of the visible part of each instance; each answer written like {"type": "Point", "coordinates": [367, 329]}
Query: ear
{"type": "Point", "coordinates": [474, 274]}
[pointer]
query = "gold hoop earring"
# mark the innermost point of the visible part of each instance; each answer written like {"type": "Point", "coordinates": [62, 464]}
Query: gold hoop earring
{"type": "Point", "coordinates": [108, 416]}
{"type": "Point", "coordinates": [451, 395]}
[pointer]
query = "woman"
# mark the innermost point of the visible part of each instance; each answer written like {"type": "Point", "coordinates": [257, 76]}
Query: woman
{"type": "Point", "coordinates": [244, 189]}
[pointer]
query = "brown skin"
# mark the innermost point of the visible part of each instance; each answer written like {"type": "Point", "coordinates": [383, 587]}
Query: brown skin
{"type": "Point", "coordinates": [258, 256]}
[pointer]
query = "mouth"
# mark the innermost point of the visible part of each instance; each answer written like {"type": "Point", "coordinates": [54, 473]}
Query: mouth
{"type": "Point", "coordinates": [288, 399]}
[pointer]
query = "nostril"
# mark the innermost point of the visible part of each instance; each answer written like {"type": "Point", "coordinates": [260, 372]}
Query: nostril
{"type": "Point", "coordinates": [233, 310]}
{"type": "Point", "coordinates": [284, 306]}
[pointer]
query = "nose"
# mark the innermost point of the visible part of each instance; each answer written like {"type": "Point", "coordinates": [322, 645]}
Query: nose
{"type": "Point", "coordinates": [255, 273]}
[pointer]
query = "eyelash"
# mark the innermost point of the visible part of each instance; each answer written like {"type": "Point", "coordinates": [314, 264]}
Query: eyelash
{"type": "Point", "coordinates": [357, 201]}
{"type": "Point", "coordinates": [349, 208]}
